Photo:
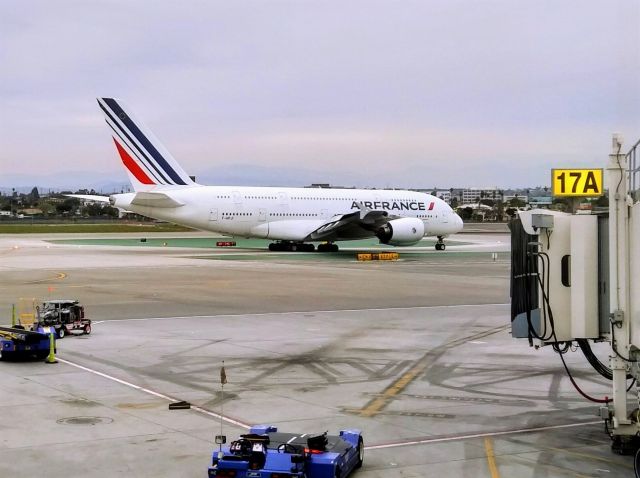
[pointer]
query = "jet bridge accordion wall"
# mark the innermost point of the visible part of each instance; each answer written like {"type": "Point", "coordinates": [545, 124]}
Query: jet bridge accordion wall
{"type": "Point", "coordinates": [564, 274]}
{"type": "Point", "coordinates": [523, 286]}
{"type": "Point", "coordinates": [634, 273]}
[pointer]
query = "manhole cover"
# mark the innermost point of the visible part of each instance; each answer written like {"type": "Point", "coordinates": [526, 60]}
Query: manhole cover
{"type": "Point", "coordinates": [84, 420]}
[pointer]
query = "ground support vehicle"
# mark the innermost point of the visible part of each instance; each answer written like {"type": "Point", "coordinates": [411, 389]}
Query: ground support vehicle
{"type": "Point", "coordinates": [18, 342]}
{"type": "Point", "coordinates": [266, 453]}
{"type": "Point", "coordinates": [65, 316]}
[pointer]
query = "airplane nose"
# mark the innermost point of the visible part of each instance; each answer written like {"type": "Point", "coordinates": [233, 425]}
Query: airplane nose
{"type": "Point", "coordinates": [458, 223]}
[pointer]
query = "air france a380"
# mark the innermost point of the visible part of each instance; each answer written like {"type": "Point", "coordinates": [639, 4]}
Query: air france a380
{"type": "Point", "coordinates": [293, 218]}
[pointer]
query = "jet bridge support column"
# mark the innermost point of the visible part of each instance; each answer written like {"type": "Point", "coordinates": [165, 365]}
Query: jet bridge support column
{"type": "Point", "coordinates": [617, 182]}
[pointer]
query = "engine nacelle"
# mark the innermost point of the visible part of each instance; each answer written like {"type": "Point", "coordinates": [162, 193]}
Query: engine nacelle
{"type": "Point", "coordinates": [401, 232]}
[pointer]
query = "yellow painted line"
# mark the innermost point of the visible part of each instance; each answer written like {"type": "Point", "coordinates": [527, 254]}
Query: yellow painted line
{"type": "Point", "coordinates": [397, 387]}
{"type": "Point", "coordinates": [375, 406]}
{"type": "Point", "coordinates": [491, 458]}
{"type": "Point", "coordinates": [58, 276]}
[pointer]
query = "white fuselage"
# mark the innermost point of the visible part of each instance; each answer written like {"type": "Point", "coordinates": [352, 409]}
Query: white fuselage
{"type": "Point", "coordinates": [290, 213]}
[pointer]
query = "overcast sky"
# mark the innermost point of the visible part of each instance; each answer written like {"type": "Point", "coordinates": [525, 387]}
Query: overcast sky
{"type": "Point", "coordinates": [366, 93]}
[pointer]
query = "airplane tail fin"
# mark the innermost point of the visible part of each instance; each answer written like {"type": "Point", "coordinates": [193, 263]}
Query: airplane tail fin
{"type": "Point", "coordinates": [148, 163]}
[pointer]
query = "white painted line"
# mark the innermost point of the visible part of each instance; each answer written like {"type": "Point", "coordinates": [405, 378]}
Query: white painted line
{"type": "Point", "coordinates": [261, 314]}
{"type": "Point", "coordinates": [155, 394]}
{"type": "Point", "coordinates": [291, 440]}
{"type": "Point", "coordinates": [427, 441]}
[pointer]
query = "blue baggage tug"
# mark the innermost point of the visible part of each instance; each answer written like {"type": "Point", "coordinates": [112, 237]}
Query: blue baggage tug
{"type": "Point", "coordinates": [17, 342]}
{"type": "Point", "coordinates": [266, 453]}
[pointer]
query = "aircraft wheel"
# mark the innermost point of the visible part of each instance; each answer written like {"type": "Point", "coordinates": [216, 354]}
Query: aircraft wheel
{"type": "Point", "coordinates": [333, 247]}
{"type": "Point", "coordinates": [272, 246]}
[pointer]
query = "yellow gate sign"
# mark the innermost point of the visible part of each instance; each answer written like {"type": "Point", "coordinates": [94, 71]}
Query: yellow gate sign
{"type": "Point", "coordinates": [577, 182]}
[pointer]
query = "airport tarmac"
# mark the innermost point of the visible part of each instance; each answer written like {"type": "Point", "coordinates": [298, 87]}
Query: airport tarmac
{"type": "Point", "coordinates": [416, 353]}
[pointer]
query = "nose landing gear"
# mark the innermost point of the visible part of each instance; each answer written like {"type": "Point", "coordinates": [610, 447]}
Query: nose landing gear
{"type": "Point", "coordinates": [440, 245]}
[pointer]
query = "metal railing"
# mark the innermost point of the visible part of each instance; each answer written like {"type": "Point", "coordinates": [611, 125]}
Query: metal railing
{"type": "Point", "coordinates": [633, 160]}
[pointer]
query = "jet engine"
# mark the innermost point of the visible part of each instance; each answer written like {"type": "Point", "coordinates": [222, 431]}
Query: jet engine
{"type": "Point", "coordinates": [406, 231]}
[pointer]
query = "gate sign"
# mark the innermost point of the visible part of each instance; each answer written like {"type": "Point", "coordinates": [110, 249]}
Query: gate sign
{"type": "Point", "coordinates": [576, 182]}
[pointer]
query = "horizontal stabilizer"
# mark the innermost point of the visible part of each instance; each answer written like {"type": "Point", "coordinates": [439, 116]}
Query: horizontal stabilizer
{"type": "Point", "coordinates": [89, 197]}
{"type": "Point", "coordinates": [155, 199]}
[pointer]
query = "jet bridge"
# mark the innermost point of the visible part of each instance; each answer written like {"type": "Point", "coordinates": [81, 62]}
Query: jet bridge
{"type": "Point", "coordinates": [575, 280]}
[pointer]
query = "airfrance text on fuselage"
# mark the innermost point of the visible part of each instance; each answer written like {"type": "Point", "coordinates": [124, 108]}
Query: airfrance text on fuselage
{"type": "Point", "coordinates": [393, 206]}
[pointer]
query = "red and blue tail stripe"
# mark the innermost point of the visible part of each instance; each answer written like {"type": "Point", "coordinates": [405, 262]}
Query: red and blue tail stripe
{"type": "Point", "coordinates": [146, 160]}
{"type": "Point", "coordinates": [132, 166]}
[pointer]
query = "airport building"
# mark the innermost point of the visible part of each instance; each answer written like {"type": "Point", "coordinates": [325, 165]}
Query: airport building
{"type": "Point", "coordinates": [470, 195]}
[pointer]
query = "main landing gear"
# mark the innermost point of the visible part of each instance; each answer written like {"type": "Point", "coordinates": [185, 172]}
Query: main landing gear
{"type": "Point", "coordinates": [291, 246]}
{"type": "Point", "coordinates": [440, 246]}
{"type": "Point", "coordinates": [327, 247]}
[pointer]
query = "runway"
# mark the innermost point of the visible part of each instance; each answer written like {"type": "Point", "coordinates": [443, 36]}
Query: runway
{"type": "Point", "coordinates": [417, 353]}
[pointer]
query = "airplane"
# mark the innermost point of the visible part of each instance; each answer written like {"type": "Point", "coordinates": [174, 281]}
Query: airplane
{"type": "Point", "coordinates": [293, 218]}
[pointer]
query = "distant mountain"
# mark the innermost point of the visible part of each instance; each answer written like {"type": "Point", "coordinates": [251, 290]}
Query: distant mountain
{"type": "Point", "coordinates": [234, 175]}
{"type": "Point", "coordinates": [250, 175]}
{"type": "Point", "coordinates": [62, 181]}
{"type": "Point", "coordinates": [228, 175]}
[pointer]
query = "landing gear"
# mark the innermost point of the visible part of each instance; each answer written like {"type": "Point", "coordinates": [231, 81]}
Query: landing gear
{"type": "Point", "coordinates": [291, 246]}
{"type": "Point", "coordinates": [328, 247]}
{"type": "Point", "coordinates": [440, 246]}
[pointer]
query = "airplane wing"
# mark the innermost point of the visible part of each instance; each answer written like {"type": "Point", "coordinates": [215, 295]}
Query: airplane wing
{"type": "Point", "coordinates": [150, 199]}
{"type": "Point", "coordinates": [358, 224]}
{"type": "Point", "coordinates": [89, 197]}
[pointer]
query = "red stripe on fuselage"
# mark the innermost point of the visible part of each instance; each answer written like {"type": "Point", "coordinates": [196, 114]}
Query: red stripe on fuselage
{"type": "Point", "coordinates": [431, 206]}
{"type": "Point", "coordinates": [132, 166]}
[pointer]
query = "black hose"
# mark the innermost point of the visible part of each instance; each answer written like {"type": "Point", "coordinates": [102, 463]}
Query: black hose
{"type": "Point", "coordinates": [595, 362]}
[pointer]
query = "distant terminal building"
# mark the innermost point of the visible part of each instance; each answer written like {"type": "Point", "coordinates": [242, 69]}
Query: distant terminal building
{"type": "Point", "coordinates": [320, 185]}
{"type": "Point", "coordinates": [444, 194]}
{"type": "Point", "coordinates": [522, 197]}
{"type": "Point", "coordinates": [540, 201]}
{"type": "Point", "coordinates": [471, 195]}
{"type": "Point", "coordinates": [328, 186]}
